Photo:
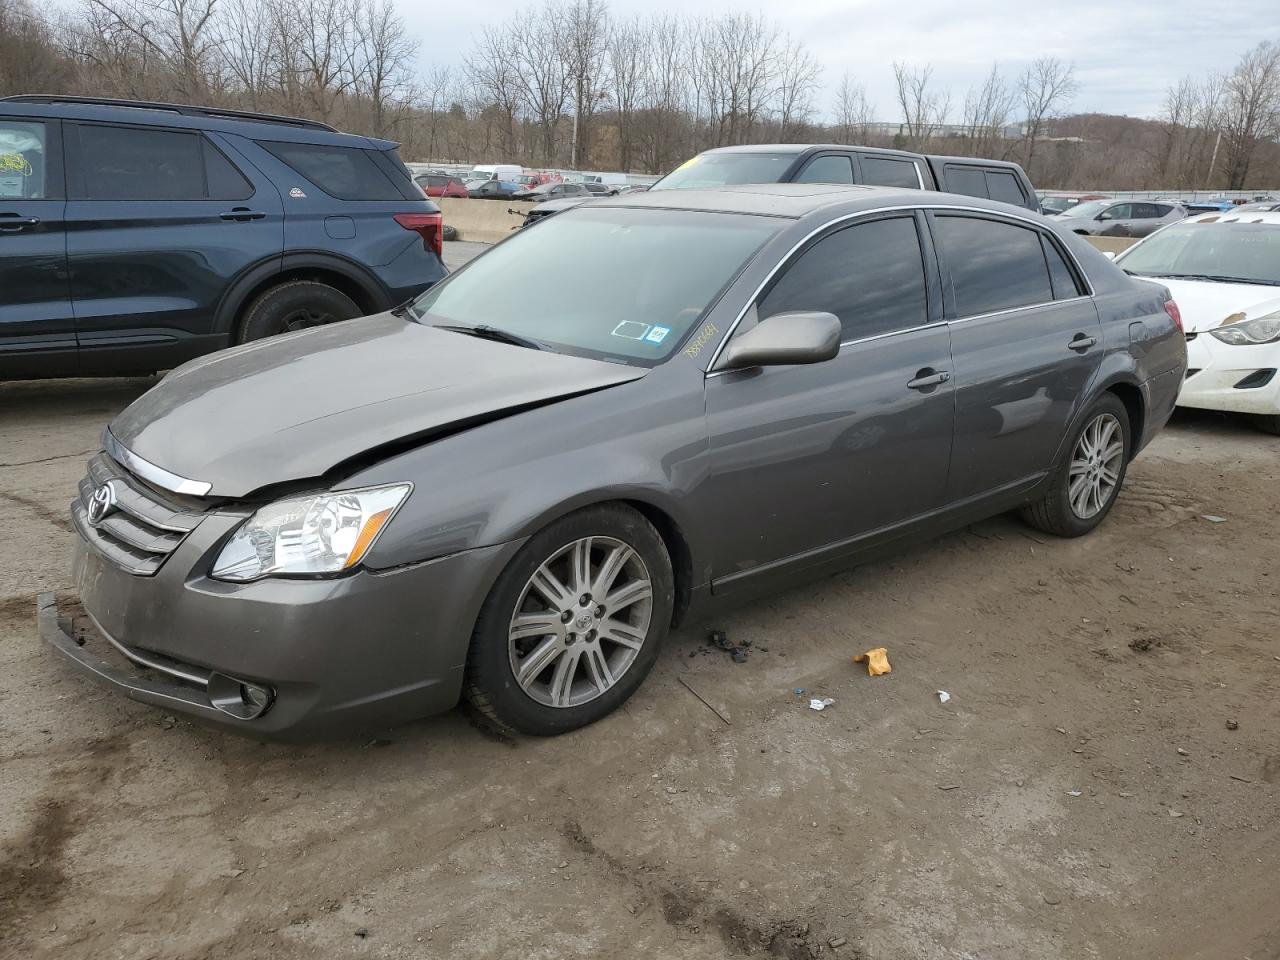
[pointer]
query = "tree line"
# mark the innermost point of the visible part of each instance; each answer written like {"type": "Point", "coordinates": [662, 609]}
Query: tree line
{"type": "Point", "coordinates": [572, 85]}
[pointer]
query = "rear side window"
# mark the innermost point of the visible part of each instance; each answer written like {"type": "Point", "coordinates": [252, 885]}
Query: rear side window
{"type": "Point", "coordinates": [22, 159]}
{"type": "Point", "coordinates": [1003, 186]}
{"type": "Point", "coordinates": [828, 169]}
{"type": "Point", "coordinates": [870, 275]}
{"type": "Point", "coordinates": [1064, 281]}
{"type": "Point", "coordinates": [889, 172]}
{"type": "Point", "coordinates": [347, 173]}
{"type": "Point", "coordinates": [138, 163]}
{"type": "Point", "coordinates": [992, 265]}
{"type": "Point", "coordinates": [225, 181]}
{"type": "Point", "coordinates": [966, 180]}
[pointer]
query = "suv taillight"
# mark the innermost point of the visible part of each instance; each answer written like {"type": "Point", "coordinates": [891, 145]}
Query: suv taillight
{"type": "Point", "coordinates": [1175, 314]}
{"type": "Point", "coordinates": [430, 226]}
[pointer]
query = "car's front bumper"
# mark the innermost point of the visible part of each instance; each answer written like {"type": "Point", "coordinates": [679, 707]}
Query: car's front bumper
{"type": "Point", "coordinates": [335, 656]}
{"type": "Point", "coordinates": [1215, 369]}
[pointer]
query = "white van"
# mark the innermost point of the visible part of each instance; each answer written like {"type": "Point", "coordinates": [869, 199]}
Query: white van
{"type": "Point", "coordinates": [608, 179]}
{"type": "Point", "coordinates": [495, 171]}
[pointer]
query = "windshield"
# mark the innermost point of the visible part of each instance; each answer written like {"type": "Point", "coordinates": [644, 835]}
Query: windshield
{"type": "Point", "coordinates": [611, 283]}
{"type": "Point", "coordinates": [707, 171]}
{"type": "Point", "coordinates": [1057, 204]}
{"type": "Point", "coordinates": [1089, 209]}
{"type": "Point", "coordinates": [1248, 252]}
{"type": "Point", "coordinates": [481, 175]}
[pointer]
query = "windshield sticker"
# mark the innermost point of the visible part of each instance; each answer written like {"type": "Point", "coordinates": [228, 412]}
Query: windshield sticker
{"type": "Point", "coordinates": [631, 330]}
{"type": "Point", "coordinates": [297, 193]}
{"type": "Point", "coordinates": [657, 334]}
{"type": "Point", "coordinates": [704, 336]}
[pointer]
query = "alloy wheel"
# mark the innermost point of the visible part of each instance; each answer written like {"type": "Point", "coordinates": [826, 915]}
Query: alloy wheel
{"type": "Point", "coordinates": [1095, 466]}
{"type": "Point", "coordinates": [580, 621]}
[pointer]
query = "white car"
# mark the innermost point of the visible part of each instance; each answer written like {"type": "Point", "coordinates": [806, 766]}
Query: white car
{"type": "Point", "coordinates": [1223, 270]}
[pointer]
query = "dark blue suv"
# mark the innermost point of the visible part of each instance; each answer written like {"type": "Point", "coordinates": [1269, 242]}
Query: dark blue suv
{"type": "Point", "coordinates": [135, 236]}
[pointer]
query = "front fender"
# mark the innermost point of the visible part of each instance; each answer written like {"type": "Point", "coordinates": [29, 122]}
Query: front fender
{"type": "Point", "coordinates": [505, 480]}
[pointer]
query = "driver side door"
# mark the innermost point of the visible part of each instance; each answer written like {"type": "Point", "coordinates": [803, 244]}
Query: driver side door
{"type": "Point", "coordinates": [809, 463]}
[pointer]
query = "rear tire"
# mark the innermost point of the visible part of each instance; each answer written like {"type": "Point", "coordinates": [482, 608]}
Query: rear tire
{"type": "Point", "coordinates": [1084, 487]}
{"type": "Point", "coordinates": [574, 623]}
{"type": "Point", "coordinates": [1268, 424]}
{"type": "Point", "coordinates": [295, 305]}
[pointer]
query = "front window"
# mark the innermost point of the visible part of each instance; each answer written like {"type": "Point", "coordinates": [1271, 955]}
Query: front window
{"type": "Point", "coordinates": [1243, 252]}
{"type": "Point", "coordinates": [1091, 208]}
{"type": "Point", "coordinates": [481, 175]}
{"type": "Point", "coordinates": [22, 160]}
{"type": "Point", "coordinates": [616, 284]}
{"type": "Point", "coordinates": [1053, 205]}
{"type": "Point", "coordinates": [707, 171]}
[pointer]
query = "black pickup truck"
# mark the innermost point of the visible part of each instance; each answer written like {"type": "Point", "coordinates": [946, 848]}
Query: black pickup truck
{"type": "Point", "coordinates": [832, 163]}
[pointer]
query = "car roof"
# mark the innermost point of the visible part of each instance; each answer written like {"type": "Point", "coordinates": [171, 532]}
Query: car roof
{"type": "Point", "coordinates": [795, 200]}
{"type": "Point", "coordinates": [799, 148]}
{"type": "Point", "coordinates": [974, 161]}
{"type": "Point", "coordinates": [143, 113]}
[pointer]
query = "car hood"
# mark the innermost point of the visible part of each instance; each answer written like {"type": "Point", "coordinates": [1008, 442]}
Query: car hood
{"type": "Point", "coordinates": [296, 406]}
{"type": "Point", "coordinates": [1205, 304]}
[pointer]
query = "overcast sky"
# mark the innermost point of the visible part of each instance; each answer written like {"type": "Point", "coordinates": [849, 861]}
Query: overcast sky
{"type": "Point", "coordinates": [1126, 52]}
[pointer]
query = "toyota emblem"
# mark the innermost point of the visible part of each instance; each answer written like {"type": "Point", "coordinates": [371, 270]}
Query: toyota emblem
{"type": "Point", "coordinates": [102, 503]}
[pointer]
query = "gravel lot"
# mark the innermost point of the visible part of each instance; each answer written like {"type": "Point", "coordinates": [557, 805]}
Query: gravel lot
{"type": "Point", "coordinates": [1080, 796]}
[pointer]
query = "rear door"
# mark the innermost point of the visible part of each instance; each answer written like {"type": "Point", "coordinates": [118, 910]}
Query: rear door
{"type": "Point", "coordinates": [37, 327]}
{"type": "Point", "coordinates": [809, 460]}
{"type": "Point", "coordinates": [1027, 343]}
{"type": "Point", "coordinates": [160, 222]}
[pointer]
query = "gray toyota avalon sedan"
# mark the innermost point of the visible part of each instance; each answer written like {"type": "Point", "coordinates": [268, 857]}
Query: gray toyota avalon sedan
{"type": "Point", "coordinates": [511, 488]}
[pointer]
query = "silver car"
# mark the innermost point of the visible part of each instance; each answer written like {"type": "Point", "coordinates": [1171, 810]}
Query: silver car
{"type": "Point", "coordinates": [640, 410]}
{"type": "Point", "coordinates": [1120, 218]}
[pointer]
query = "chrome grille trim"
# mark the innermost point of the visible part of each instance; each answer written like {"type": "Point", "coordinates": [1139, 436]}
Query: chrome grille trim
{"type": "Point", "coordinates": [142, 531]}
{"type": "Point", "coordinates": [149, 471]}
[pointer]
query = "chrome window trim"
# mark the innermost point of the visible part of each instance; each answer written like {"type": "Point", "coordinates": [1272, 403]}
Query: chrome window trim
{"type": "Point", "coordinates": [149, 471]}
{"type": "Point", "coordinates": [912, 208]}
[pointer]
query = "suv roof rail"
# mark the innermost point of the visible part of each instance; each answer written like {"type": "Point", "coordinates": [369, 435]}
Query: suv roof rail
{"type": "Point", "coordinates": [183, 109]}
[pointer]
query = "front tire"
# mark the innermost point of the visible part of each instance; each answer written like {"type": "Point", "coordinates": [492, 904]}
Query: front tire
{"type": "Point", "coordinates": [295, 305]}
{"type": "Point", "coordinates": [574, 623]}
{"type": "Point", "coordinates": [1084, 488]}
{"type": "Point", "coordinates": [1268, 423]}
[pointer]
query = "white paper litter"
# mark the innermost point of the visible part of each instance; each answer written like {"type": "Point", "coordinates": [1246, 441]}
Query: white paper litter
{"type": "Point", "coordinates": [816, 704]}
{"type": "Point", "coordinates": [943, 696]}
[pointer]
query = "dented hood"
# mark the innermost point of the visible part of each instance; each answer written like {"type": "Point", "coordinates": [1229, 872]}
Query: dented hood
{"type": "Point", "coordinates": [295, 406]}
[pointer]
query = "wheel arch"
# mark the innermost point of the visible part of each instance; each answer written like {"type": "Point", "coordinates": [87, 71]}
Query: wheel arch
{"type": "Point", "coordinates": [1136, 407]}
{"type": "Point", "coordinates": [665, 519]}
{"type": "Point", "coordinates": [345, 276]}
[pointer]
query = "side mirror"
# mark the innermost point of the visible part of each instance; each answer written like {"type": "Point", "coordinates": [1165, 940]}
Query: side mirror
{"type": "Point", "coordinates": [783, 339]}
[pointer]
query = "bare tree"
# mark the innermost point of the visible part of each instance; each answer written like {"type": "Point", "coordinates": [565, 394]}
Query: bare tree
{"type": "Point", "coordinates": [1251, 109]}
{"type": "Point", "coordinates": [629, 59]}
{"type": "Point", "coordinates": [543, 75]}
{"type": "Point", "coordinates": [798, 75]}
{"type": "Point", "coordinates": [924, 108]}
{"type": "Point", "coordinates": [495, 76]}
{"type": "Point", "coordinates": [382, 64]}
{"type": "Point", "coordinates": [987, 110]}
{"type": "Point", "coordinates": [584, 46]}
{"type": "Point", "coordinates": [1045, 88]}
{"type": "Point", "coordinates": [245, 42]}
{"type": "Point", "coordinates": [30, 58]}
{"type": "Point", "coordinates": [853, 111]}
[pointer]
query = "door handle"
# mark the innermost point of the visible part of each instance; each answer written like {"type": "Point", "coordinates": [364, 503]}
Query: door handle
{"type": "Point", "coordinates": [243, 215]}
{"type": "Point", "coordinates": [1080, 343]}
{"type": "Point", "coordinates": [928, 378]}
{"type": "Point", "coordinates": [12, 223]}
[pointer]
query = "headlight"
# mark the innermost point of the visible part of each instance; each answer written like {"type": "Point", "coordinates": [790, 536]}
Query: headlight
{"type": "Point", "coordinates": [1251, 332]}
{"type": "Point", "coordinates": [308, 536]}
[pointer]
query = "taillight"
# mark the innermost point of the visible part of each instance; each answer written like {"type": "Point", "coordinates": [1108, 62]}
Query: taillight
{"type": "Point", "coordinates": [430, 226]}
{"type": "Point", "coordinates": [1174, 313]}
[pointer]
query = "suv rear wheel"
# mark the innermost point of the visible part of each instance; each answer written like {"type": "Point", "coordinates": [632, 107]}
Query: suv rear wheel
{"type": "Point", "coordinates": [295, 305]}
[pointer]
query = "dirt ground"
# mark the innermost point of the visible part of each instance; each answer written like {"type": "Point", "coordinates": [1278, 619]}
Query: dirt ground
{"type": "Point", "coordinates": [1080, 796]}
